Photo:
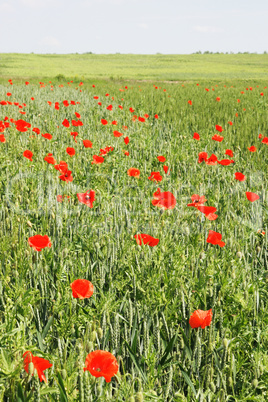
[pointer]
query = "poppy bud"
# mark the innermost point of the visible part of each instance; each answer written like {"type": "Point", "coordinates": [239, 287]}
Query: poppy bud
{"type": "Point", "coordinates": [225, 343]}
{"type": "Point", "coordinates": [212, 387]}
{"type": "Point", "coordinates": [239, 254]}
{"type": "Point", "coordinates": [31, 369]}
{"type": "Point", "coordinates": [255, 383]}
{"type": "Point", "coordinates": [93, 336]}
{"type": "Point", "coordinates": [132, 399]}
{"type": "Point", "coordinates": [258, 249]}
{"type": "Point", "coordinates": [100, 333]}
{"type": "Point", "coordinates": [89, 347]}
{"type": "Point", "coordinates": [29, 224]}
{"type": "Point", "coordinates": [139, 397]}
{"type": "Point", "coordinates": [53, 215]}
{"type": "Point", "coordinates": [64, 374]}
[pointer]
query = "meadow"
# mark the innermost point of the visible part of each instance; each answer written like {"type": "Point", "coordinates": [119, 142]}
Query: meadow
{"type": "Point", "coordinates": [145, 291]}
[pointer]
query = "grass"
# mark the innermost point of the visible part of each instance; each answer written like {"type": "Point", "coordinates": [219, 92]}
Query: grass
{"type": "Point", "coordinates": [143, 296]}
{"type": "Point", "coordinates": [138, 67]}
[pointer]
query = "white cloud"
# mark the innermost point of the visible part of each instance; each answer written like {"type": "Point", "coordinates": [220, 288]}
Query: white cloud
{"type": "Point", "coordinates": [6, 8]}
{"type": "Point", "coordinates": [50, 41]}
{"type": "Point", "coordinates": [143, 25]}
{"type": "Point", "coordinates": [207, 29]}
{"type": "Point", "coordinates": [37, 3]}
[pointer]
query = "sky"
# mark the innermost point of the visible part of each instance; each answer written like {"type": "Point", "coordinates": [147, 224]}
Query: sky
{"type": "Point", "coordinates": [133, 26]}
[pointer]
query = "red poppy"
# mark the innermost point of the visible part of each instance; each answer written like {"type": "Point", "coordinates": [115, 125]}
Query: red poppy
{"type": "Point", "coordinates": [28, 154]}
{"type": "Point", "coordinates": [126, 153]}
{"type": "Point", "coordinates": [146, 239]}
{"type": "Point", "coordinates": [141, 119]}
{"type": "Point", "coordinates": [62, 167]}
{"type": "Point", "coordinates": [156, 116]}
{"type": "Point", "coordinates": [114, 123]}
{"type": "Point", "coordinates": [126, 140]}
{"type": "Point", "coordinates": [66, 176]}
{"type": "Point", "coordinates": [230, 122]}
{"type": "Point", "coordinates": [218, 99]}
{"type": "Point", "coordinates": [196, 136]}
{"type": "Point", "coordinates": [39, 364]}
{"type": "Point", "coordinates": [65, 123]}
{"type": "Point", "coordinates": [203, 156]}
{"type": "Point", "coordinates": [217, 137]}
{"type": "Point", "coordinates": [87, 144]}
{"type": "Point", "coordinates": [104, 122]}
{"type": "Point", "coordinates": [225, 162]}
{"type": "Point", "coordinates": [131, 110]}
{"type": "Point", "coordinates": [240, 176]}
{"type": "Point", "coordinates": [22, 125]}
{"type": "Point", "coordinates": [78, 115]}
{"type": "Point", "coordinates": [101, 364]}
{"type": "Point", "coordinates": [82, 289]}
{"type": "Point", "coordinates": [201, 318]}
{"type": "Point", "coordinates": [215, 238]}
{"type": "Point", "coordinates": [2, 138]}
{"type": "Point", "coordinates": [165, 200]}
{"type": "Point", "coordinates": [229, 152]}
{"type": "Point", "coordinates": [77, 123]}
{"type": "Point", "coordinates": [38, 242]}
{"type": "Point", "coordinates": [252, 196]}
{"type": "Point", "coordinates": [208, 211]}
{"type": "Point", "coordinates": [36, 130]}
{"type": "Point", "coordinates": [27, 83]}
{"type": "Point", "coordinates": [197, 200]}
{"type": "Point", "coordinates": [70, 151]}
{"type": "Point", "coordinates": [190, 102]}
{"type": "Point", "coordinates": [161, 158]}
{"type": "Point", "coordinates": [47, 136]}
{"type": "Point", "coordinates": [87, 198]}
{"type": "Point", "coordinates": [133, 172]}
{"type": "Point", "coordinates": [212, 160]}
{"type": "Point", "coordinates": [252, 148]}
{"type": "Point", "coordinates": [49, 159]}
{"type": "Point", "coordinates": [97, 160]}
{"type": "Point", "coordinates": [120, 107]}
{"type": "Point", "coordinates": [117, 134]}
{"type": "Point", "coordinates": [146, 116]}
{"type": "Point", "coordinates": [219, 128]}
{"type": "Point", "coordinates": [155, 176]}
{"type": "Point", "coordinates": [265, 140]}
{"type": "Point", "coordinates": [165, 169]}
{"type": "Point", "coordinates": [106, 150]}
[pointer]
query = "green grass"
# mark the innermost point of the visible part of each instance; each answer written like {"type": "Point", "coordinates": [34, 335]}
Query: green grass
{"type": "Point", "coordinates": [143, 296]}
{"type": "Point", "coordinates": [138, 67]}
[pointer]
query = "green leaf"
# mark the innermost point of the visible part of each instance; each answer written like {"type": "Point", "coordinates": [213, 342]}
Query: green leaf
{"type": "Point", "coordinates": [136, 361]}
{"type": "Point", "coordinates": [168, 349]}
{"type": "Point", "coordinates": [46, 329]}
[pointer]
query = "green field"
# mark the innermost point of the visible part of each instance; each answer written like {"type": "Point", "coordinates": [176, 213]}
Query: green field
{"type": "Point", "coordinates": [143, 296]}
{"type": "Point", "coordinates": [136, 67]}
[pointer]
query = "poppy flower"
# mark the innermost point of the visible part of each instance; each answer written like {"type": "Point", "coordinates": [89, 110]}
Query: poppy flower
{"type": "Point", "coordinates": [165, 169]}
{"type": "Point", "coordinates": [49, 159]}
{"type": "Point", "coordinates": [66, 176]}
{"type": "Point", "coordinates": [36, 130]}
{"type": "Point", "coordinates": [200, 318]}
{"type": "Point", "coordinates": [28, 154]}
{"type": "Point", "coordinates": [117, 134]}
{"type": "Point", "coordinates": [65, 123]}
{"type": "Point", "coordinates": [161, 158]}
{"type": "Point", "coordinates": [97, 160]}
{"type": "Point", "coordinates": [38, 242]}
{"type": "Point", "coordinates": [265, 140]}
{"type": "Point", "coordinates": [229, 152]}
{"type": "Point", "coordinates": [146, 116]}
{"type": "Point", "coordinates": [131, 110]}
{"type": "Point", "coordinates": [146, 239]}
{"type": "Point", "coordinates": [2, 138]}
{"type": "Point", "coordinates": [240, 176]}
{"type": "Point", "coordinates": [202, 157]}
{"type": "Point", "coordinates": [190, 102]}
{"type": "Point", "coordinates": [101, 364]}
{"type": "Point", "coordinates": [47, 136]}
{"type": "Point", "coordinates": [62, 167]}
{"type": "Point", "coordinates": [87, 144]}
{"type": "Point", "coordinates": [82, 289]}
{"type": "Point", "coordinates": [219, 128]}
{"type": "Point", "coordinates": [197, 200]}
{"type": "Point", "coordinates": [217, 137]}
{"type": "Point", "coordinates": [218, 99]}
{"type": "Point", "coordinates": [120, 107]}
{"type": "Point", "coordinates": [155, 176]}
{"type": "Point", "coordinates": [87, 198]}
{"type": "Point", "coordinates": [196, 136]}
{"type": "Point", "coordinates": [39, 364]}
{"type": "Point", "coordinates": [114, 123]}
{"type": "Point", "coordinates": [141, 119]}
{"type": "Point", "coordinates": [126, 153]}
{"type": "Point", "coordinates": [252, 196]}
{"type": "Point", "coordinates": [225, 162]}
{"type": "Point", "coordinates": [230, 123]}
{"type": "Point", "coordinates": [77, 123]}
{"type": "Point", "coordinates": [104, 122]}
{"type": "Point", "coordinates": [78, 115]}
{"type": "Point", "coordinates": [126, 140]}
{"type": "Point", "coordinates": [252, 148]}
{"type": "Point", "coordinates": [215, 238]}
{"type": "Point", "coordinates": [165, 200]}
{"type": "Point", "coordinates": [133, 172]}
{"type": "Point", "coordinates": [212, 160]}
{"type": "Point", "coordinates": [208, 211]}
{"type": "Point", "coordinates": [156, 116]}
{"type": "Point", "coordinates": [70, 151]}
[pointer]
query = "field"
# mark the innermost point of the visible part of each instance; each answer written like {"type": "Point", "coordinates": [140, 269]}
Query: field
{"type": "Point", "coordinates": [191, 67]}
{"type": "Point", "coordinates": [144, 294]}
